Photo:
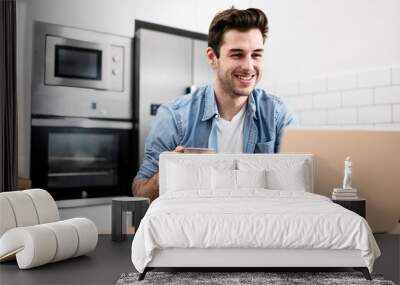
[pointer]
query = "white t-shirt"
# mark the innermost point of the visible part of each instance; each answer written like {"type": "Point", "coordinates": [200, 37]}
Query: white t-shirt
{"type": "Point", "coordinates": [230, 133]}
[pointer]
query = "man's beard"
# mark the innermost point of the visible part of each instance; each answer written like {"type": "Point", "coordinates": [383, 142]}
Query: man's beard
{"type": "Point", "coordinates": [228, 86]}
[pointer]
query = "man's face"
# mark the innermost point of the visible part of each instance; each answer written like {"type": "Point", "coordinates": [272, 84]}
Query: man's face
{"type": "Point", "coordinates": [239, 66]}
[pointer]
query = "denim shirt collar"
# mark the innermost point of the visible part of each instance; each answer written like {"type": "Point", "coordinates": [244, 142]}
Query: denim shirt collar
{"type": "Point", "coordinates": [251, 106]}
{"type": "Point", "coordinates": [210, 105]}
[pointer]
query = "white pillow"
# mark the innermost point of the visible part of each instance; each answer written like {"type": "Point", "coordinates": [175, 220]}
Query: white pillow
{"type": "Point", "coordinates": [188, 177]}
{"type": "Point", "coordinates": [251, 178]}
{"type": "Point", "coordinates": [223, 179]}
{"type": "Point", "coordinates": [294, 178]}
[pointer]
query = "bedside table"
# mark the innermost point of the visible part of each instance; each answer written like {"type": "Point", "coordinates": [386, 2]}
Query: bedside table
{"type": "Point", "coordinates": [137, 205]}
{"type": "Point", "coordinates": [358, 206]}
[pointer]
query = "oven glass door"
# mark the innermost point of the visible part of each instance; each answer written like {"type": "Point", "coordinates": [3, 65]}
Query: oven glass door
{"type": "Point", "coordinates": [77, 159]}
{"type": "Point", "coordinates": [72, 162]}
{"type": "Point", "coordinates": [76, 63]}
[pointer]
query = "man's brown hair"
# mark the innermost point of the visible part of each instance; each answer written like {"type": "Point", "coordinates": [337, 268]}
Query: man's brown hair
{"type": "Point", "coordinates": [235, 19]}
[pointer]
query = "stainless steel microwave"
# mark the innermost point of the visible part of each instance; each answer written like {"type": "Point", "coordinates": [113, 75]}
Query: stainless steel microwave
{"type": "Point", "coordinates": [81, 73]}
{"type": "Point", "coordinates": [81, 64]}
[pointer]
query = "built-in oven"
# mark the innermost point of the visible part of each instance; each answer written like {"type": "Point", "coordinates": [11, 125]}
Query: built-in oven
{"type": "Point", "coordinates": [79, 158]}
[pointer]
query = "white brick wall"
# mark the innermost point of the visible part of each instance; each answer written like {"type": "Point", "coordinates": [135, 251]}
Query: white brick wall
{"type": "Point", "coordinates": [327, 100]}
{"type": "Point", "coordinates": [389, 94]}
{"type": "Point", "coordinates": [372, 78]}
{"type": "Point", "coordinates": [297, 103]}
{"type": "Point", "coordinates": [342, 82]}
{"type": "Point", "coordinates": [396, 75]}
{"type": "Point", "coordinates": [342, 116]}
{"type": "Point", "coordinates": [387, 126]}
{"type": "Point", "coordinates": [358, 97]}
{"type": "Point", "coordinates": [375, 114]}
{"type": "Point", "coordinates": [363, 99]}
{"type": "Point", "coordinates": [314, 118]}
{"type": "Point", "coordinates": [287, 88]}
{"type": "Point", "coordinates": [313, 85]}
{"type": "Point", "coordinates": [396, 113]}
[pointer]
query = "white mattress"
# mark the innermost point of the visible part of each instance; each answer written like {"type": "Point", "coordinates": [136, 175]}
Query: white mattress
{"type": "Point", "coordinates": [252, 218]}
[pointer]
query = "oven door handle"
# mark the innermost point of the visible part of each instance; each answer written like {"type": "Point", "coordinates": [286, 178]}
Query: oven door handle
{"type": "Point", "coordinates": [81, 123]}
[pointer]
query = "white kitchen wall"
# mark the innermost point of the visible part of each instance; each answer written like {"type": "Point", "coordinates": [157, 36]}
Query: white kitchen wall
{"type": "Point", "coordinates": [335, 62]}
{"type": "Point", "coordinates": [311, 38]}
{"type": "Point", "coordinates": [365, 99]}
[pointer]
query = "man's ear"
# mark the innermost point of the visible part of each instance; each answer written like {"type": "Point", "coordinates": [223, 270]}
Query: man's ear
{"type": "Point", "coordinates": [211, 57]}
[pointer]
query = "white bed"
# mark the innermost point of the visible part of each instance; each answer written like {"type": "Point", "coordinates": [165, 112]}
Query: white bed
{"type": "Point", "coordinates": [230, 210]}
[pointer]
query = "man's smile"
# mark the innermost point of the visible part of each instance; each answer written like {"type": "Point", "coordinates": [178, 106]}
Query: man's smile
{"type": "Point", "coordinates": [245, 78]}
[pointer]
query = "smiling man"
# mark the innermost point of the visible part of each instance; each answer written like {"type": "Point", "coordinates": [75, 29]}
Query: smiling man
{"type": "Point", "coordinates": [231, 115]}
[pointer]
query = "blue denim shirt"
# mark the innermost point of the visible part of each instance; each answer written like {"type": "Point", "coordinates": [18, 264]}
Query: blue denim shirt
{"type": "Point", "coordinates": [190, 121]}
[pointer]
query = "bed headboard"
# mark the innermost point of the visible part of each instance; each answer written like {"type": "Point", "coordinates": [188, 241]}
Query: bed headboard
{"type": "Point", "coordinates": [375, 156]}
{"type": "Point", "coordinates": [234, 161]}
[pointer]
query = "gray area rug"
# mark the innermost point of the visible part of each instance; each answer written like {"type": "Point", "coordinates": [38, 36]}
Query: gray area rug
{"type": "Point", "coordinates": [273, 278]}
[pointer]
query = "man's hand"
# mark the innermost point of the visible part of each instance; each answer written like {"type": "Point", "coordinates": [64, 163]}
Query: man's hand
{"type": "Point", "coordinates": [149, 187]}
{"type": "Point", "coordinates": [179, 149]}
{"type": "Point", "coordinates": [146, 187]}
